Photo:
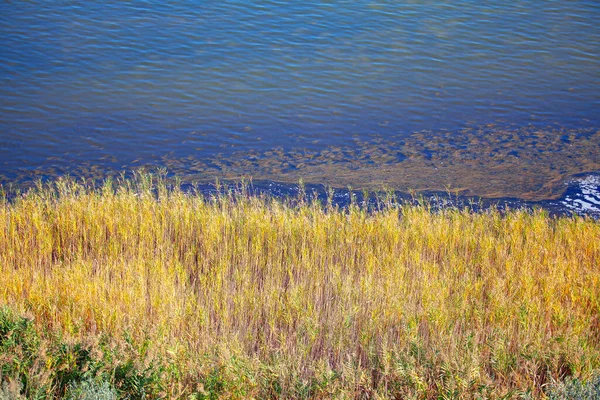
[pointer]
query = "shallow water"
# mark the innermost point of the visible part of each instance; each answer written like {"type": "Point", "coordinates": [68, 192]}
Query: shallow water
{"type": "Point", "coordinates": [493, 99]}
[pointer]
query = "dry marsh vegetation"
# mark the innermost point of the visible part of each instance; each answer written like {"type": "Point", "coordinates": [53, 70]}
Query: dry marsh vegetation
{"type": "Point", "coordinates": [164, 294]}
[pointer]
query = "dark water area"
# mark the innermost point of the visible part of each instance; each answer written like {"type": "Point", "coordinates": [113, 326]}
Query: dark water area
{"type": "Point", "coordinates": [494, 100]}
{"type": "Point", "coordinates": [581, 197]}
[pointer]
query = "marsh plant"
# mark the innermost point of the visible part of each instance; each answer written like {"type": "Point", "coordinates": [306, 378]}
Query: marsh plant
{"type": "Point", "coordinates": [91, 390]}
{"type": "Point", "coordinates": [138, 290]}
{"type": "Point", "coordinates": [574, 389]}
{"type": "Point", "coordinates": [10, 390]}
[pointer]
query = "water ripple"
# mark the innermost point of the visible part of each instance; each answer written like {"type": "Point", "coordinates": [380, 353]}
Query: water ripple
{"type": "Point", "coordinates": [130, 81]}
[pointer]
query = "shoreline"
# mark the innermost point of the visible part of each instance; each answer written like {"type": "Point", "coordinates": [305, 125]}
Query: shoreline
{"type": "Point", "coordinates": [581, 194]}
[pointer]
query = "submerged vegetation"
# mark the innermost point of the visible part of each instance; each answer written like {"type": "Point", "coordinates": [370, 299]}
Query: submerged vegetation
{"type": "Point", "coordinates": [133, 289]}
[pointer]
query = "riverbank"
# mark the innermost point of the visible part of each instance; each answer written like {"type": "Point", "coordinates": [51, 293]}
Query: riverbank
{"type": "Point", "coordinates": [135, 289]}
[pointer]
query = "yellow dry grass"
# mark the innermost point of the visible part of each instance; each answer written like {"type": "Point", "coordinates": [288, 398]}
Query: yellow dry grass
{"type": "Point", "coordinates": [397, 302]}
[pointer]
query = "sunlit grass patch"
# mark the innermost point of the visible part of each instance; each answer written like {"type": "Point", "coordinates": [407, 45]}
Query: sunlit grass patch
{"type": "Point", "coordinates": [241, 296]}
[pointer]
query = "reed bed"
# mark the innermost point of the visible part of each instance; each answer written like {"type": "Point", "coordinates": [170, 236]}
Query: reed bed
{"type": "Point", "coordinates": [239, 296]}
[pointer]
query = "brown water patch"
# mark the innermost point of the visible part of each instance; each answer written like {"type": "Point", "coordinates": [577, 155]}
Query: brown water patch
{"type": "Point", "coordinates": [526, 162]}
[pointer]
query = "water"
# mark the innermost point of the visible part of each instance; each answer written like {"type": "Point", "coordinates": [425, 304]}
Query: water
{"type": "Point", "coordinates": [494, 99]}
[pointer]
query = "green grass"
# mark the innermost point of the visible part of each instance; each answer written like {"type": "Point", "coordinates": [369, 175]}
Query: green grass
{"type": "Point", "coordinates": [132, 289]}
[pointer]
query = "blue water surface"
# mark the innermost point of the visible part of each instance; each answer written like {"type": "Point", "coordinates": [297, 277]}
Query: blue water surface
{"type": "Point", "coordinates": [117, 83]}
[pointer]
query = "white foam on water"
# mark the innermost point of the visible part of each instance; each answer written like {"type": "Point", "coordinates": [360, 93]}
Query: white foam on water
{"type": "Point", "coordinates": [586, 196]}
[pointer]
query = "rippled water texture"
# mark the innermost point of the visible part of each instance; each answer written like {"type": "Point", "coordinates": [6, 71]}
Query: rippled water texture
{"type": "Point", "coordinates": [492, 98]}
